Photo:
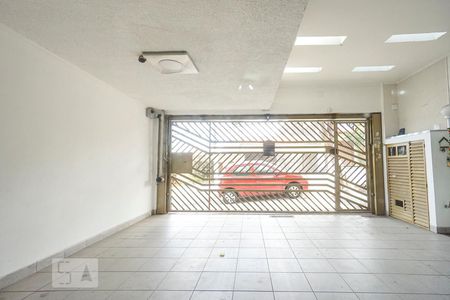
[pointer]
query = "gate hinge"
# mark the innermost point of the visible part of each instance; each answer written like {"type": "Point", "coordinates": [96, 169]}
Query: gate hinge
{"type": "Point", "coordinates": [153, 113]}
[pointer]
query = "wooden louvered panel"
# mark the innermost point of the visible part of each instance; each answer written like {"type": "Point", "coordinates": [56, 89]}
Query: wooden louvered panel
{"type": "Point", "coordinates": [421, 215]}
{"type": "Point", "coordinates": [419, 184]}
{"type": "Point", "coordinates": [421, 190]}
{"type": "Point", "coordinates": [397, 162]}
{"type": "Point", "coordinates": [399, 189]}
{"type": "Point", "coordinates": [399, 172]}
{"type": "Point", "coordinates": [407, 182]}
{"type": "Point", "coordinates": [399, 177]}
{"type": "Point", "coordinates": [419, 176]}
{"type": "Point", "coordinates": [399, 183]}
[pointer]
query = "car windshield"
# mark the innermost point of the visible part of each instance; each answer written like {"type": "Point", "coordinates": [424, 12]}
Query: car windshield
{"type": "Point", "coordinates": [242, 169]}
{"type": "Point", "coordinates": [264, 169]}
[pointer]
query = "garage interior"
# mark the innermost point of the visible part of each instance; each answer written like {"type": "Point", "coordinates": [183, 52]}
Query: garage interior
{"type": "Point", "coordinates": [205, 149]}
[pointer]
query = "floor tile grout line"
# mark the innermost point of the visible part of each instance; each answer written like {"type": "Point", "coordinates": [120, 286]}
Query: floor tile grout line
{"type": "Point", "coordinates": [203, 269]}
{"type": "Point", "coordinates": [219, 271]}
{"type": "Point", "coordinates": [237, 262]}
{"type": "Point", "coordinates": [307, 280]}
{"type": "Point", "coordinates": [331, 258]}
{"type": "Point", "coordinates": [219, 290]}
{"type": "Point", "coordinates": [342, 277]}
{"type": "Point", "coordinates": [167, 273]}
{"type": "Point", "coordinates": [267, 261]}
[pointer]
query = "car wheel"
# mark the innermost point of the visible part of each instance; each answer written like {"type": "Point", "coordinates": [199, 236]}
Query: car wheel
{"type": "Point", "coordinates": [230, 196]}
{"type": "Point", "coordinates": [293, 190]}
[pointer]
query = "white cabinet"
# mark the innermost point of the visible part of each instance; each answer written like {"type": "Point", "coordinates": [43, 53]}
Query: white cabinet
{"type": "Point", "coordinates": [418, 180]}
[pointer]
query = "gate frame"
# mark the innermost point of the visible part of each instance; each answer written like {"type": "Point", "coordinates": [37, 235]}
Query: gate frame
{"type": "Point", "coordinates": [375, 175]}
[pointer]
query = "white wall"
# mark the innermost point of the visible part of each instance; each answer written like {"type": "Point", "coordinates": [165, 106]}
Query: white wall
{"type": "Point", "coordinates": [328, 98]}
{"type": "Point", "coordinates": [441, 180]}
{"type": "Point", "coordinates": [421, 98]}
{"type": "Point", "coordinates": [74, 154]}
{"type": "Point", "coordinates": [390, 110]}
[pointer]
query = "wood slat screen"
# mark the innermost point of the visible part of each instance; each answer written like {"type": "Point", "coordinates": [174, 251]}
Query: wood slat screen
{"type": "Point", "coordinates": [419, 184]}
{"type": "Point", "coordinates": [407, 183]}
{"type": "Point", "coordinates": [399, 186]}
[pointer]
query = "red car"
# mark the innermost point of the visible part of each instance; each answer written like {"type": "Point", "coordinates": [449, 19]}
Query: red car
{"type": "Point", "coordinates": [255, 179]}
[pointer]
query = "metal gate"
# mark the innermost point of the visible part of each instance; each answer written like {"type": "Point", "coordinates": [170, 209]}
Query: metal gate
{"type": "Point", "coordinates": [276, 165]}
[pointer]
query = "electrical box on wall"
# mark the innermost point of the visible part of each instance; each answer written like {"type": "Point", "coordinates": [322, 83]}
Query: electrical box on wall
{"type": "Point", "coordinates": [269, 148]}
{"type": "Point", "coordinates": [181, 163]}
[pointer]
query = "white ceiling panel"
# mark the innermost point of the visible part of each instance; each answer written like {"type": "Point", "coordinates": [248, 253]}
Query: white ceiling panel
{"type": "Point", "coordinates": [367, 25]}
{"type": "Point", "coordinates": [231, 42]}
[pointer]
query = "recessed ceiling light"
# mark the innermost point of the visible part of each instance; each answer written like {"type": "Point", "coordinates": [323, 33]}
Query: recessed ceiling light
{"type": "Point", "coordinates": [319, 40]}
{"type": "Point", "coordinates": [372, 68]}
{"type": "Point", "coordinates": [246, 86]}
{"type": "Point", "coordinates": [290, 70]}
{"type": "Point", "coordinates": [414, 37]}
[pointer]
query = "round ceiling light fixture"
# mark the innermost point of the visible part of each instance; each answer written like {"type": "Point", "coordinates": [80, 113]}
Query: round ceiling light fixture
{"type": "Point", "coordinates": [170, 66]}
{"type": "Point", "coordinates": [169, 62]}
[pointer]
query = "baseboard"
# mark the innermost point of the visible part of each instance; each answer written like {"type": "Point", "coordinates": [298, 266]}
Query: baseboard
{"type": "Point", "coordinates": [17, 275]}
{"type": "Point", "coordinates": [43, 263]}
{"type": "Point", "coordinates": [443, 230]}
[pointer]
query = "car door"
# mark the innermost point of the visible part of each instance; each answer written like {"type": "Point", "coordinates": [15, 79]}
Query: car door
{"type": "Point", "coordinates": [243, 179]}
{"type": "Point", "coordinates": [266, 178]}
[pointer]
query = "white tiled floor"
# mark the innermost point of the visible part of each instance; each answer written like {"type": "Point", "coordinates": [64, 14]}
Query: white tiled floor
{"type": "Point", "coordinates": [237, 257]}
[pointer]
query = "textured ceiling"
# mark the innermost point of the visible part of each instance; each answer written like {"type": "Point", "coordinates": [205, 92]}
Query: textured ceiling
{"type": "Point", "coordinates": [231, 42]}
{"type": "Point", "coordinates": [368, 23]}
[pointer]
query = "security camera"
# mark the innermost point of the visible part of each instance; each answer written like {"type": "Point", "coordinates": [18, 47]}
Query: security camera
{"type": "Point", "coordinates": [142, 59]}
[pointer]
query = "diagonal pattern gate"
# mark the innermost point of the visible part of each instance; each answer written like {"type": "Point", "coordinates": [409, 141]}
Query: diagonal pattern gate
{"type": "Point", "coordinates": [317, 165]}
